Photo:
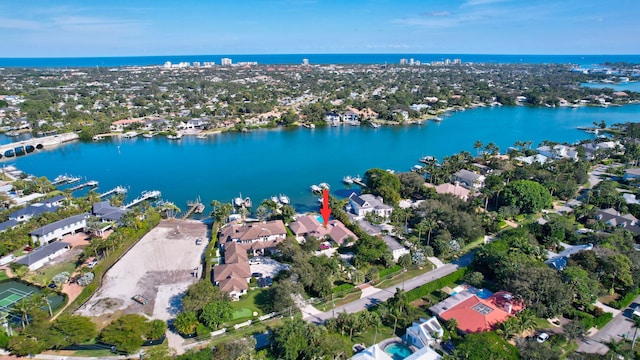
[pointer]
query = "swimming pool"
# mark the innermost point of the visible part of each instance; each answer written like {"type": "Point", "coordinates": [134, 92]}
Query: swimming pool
{"type": "Point", "coordinates": [398, 351]}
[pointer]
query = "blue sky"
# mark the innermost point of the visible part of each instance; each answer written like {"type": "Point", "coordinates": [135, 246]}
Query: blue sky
{"type": "Point", "coordinates": [65, 28]}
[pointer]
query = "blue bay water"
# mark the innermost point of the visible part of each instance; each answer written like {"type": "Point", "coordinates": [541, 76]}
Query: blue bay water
{"type": "Point", "coordinates": [629, 86]}
{"type": "Point", "coordinates": [315, 59]}
{"type": "Point", "coordinates": [264, 163]}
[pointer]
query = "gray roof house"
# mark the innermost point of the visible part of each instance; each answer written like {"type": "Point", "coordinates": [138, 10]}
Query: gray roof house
{"type": "Point", "coordinates": [9, 224]}
{"type": "Point", "coordinates": [58, 229]}
{"type": "Point", "coordinates": [107, 212]}
{"type": "Point", "coordinates": [469, 179]}
{"type": "Point", "coordinates": [612, 217]}
{"type": "Point", "coordinates": [38, 257]}
{"type": "Point", "coordinates": [25, 214]}
{"type": "Point", "coordinates": [364, 204]}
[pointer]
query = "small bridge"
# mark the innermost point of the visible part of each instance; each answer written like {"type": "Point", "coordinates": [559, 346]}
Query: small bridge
{"type": "Point", "coordinates": [25, 147]}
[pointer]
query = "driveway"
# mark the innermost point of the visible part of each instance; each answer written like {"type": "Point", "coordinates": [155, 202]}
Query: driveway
{"type": "Point", "coordinates": [384, 294]}
{"type": "Point", "coordinates": [619, 328]}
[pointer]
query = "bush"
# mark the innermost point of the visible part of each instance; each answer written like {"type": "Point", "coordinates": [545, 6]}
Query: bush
{"type": "Point", "coordinates": [430, 287]}
{"type": "Point", "coordinates": [388, 271]}
{"type": "Point", "coordinates": [603, 320]}
{"type": "Point", "coordinates": [85, 279]}
{"type": "Point", "coordinates": [203, 332]}
{"type": "Point", "coordinates": [624, 301]}
{"type": "Point", "coordinates": [342, 287]}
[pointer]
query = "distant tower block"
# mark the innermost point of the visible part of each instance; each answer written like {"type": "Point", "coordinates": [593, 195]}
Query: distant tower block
{"type": "Point", "coordinates": [226, 62]}
{"type": "Point", "coordinates": [305, 61]}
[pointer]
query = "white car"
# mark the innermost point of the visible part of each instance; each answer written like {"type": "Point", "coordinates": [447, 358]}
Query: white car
{"type": "Point", "coordinates": [542, 337]}
{"type": "Point", "coordinates": [636, 312]}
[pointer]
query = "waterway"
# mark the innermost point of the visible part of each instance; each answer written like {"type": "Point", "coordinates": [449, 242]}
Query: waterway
{"type": "Point", "coordinates": [626, 86]}
{"type": "Point", "coordinates": [263, 163]}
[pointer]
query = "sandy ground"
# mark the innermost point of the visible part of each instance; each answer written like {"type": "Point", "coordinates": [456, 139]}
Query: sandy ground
{"type": "Point", "coordinates": [159, 267]}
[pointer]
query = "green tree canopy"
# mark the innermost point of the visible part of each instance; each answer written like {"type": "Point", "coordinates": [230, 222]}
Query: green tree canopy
{"type": "Point", "coordinates": [529, 196]}
{"type": "Point", "coordinates": [384, 184]}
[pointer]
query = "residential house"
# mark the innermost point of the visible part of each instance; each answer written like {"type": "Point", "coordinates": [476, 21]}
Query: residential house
{"type": "Point", "coordinates": [259, 237]}
{"type": "Point", "coordinates": [25, 214]}
{"type": "Point", "coordinates": [107, 212]}
{"type": "Point", "coordinates": [424, 332]}
{"type": "Point", "coordinates": [469, 179]}
{"type": "Point", "coordinates": [308, 225]}
{"type": "Point", "coordinates": [40, 256]}
{"type": "Point", "coordinates": [57, 230]}
{"type": "Point", "coordinates": [121, 125]}
{"type": "Point", "coordinates": [234, 275]}
{"type": "Point", "coordinates": [332, 117]}
{"type": "Point", "coordinates": [397, 250]}
{"type": "Point", "coordinates": [561, 261]}
{"type": "Point", "coordinates": [612, 217]}
{"type": "Point", "coordinates": [475, 314]}
{"type": "Point", "coordinates": [453, 189]}
{"type": "Point", "coordinates": [367, 203]}
{"type": "Point", "coordinates": [198, 123]}
{"type": "Point", "coordinates": [558, 152]}
{"type": "Point", "coordinates": [9, 224]}
{"type": "Point", "coordinates": [537, 158]}
{"type": "Point", "coordinates": [350, 116]}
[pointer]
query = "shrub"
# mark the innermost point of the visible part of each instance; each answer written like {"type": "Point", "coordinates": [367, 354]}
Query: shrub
{"type": "Point", "coordinates": [203, 332]}
{"type": "Point", "coordinates": [624, 301]}
{"type": "Point", "coordinates": [430, 287]}
{"type": "Point", "coordinates": [388, 271]}
{"type": "Point", "coordinates": [603, 320]}
{"type": "Point", "coordinates": [85, 279]}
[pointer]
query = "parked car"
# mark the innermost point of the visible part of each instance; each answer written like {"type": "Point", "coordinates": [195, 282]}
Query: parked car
{"type": "Point", "coordinates": [198, 241]}
{"type": "Point", "coordinates": [256, 275]}
{"type": "Point", "coordinates": [636, 312]}
{"type": "Point", "coordinates": [542, 337]}
{"type": "Point", "coordinates": [92, 264]}
{"type": "Point", "coordinates": [52, 286]}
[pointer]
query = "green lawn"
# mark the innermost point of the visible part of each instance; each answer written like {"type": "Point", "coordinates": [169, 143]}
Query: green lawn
{"type": "Point", "coordinates": [249, 302]}
{"type": "Point", "coordinates": [398, 279]}
{"type": "Point", "coordinates": [3, 275]}
{"type": "Point", "coordinates": [44, 276]}
{"type": "Point", "coordinates": [242, 313]}
{"type": "Point", "coordinates": [370, 337]}
{"type": "Point", "coordinates": [326, 306]}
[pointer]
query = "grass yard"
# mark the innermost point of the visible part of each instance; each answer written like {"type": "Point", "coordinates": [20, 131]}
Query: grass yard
{"type": "Point", "coordinates": [3, 275]}
{"type": "Point", "coordinates": [373, 335]}
{"type": "Point", "coordinates": [44, 275]}
{"type": "Point", "coordinates": [249, 303]}
{"type": "Point", "coordinates": [326, 306]}
{"type": "Point", "coordinates": [241, 313]}
{"type": "Point", "coordinates": [407, 275]}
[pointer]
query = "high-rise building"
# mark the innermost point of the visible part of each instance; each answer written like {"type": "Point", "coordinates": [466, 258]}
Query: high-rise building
{"type": "Point", "coordinates": [403, 61]}
{"type": "Point", "coordinates": [226, 62]}
{"type": "Point", "coordinates": [305, 61]}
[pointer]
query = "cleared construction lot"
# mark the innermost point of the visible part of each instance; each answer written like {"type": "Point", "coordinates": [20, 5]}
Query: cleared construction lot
{"type": "Point", "coordinates": [159, 267]}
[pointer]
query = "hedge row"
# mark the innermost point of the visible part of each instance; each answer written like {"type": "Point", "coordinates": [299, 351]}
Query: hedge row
{"type": "Point", "coordinates": [437, 284]}
{"type": "Point", "coordinates": [588, 320]}
{"type": "Point", "coordinates": [342, 287]}
{"type": "Point", "coordinates": [388, 271]}
{"type": "Point", "coordinates": [624, 301]}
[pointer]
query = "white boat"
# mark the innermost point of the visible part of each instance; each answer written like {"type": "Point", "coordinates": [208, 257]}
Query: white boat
{"type": "Point", "coordinates": [324, 186]}
{"type": "Point", "coordinates": [61, 179]}
{"type": "Point", "coordinates": [284, 199]}
{"type": "Point", "coordinates": [92, 183]}
{"type": "Point", "coordinates": [347, 180]}
{"type": "Point", "coordinates": [148, 135]}
{"type": "Point", "coordinates": [391, 171]}
{"type": "Point", "coordinates": [437, 119]}
{"type": "Point", "coordinates": [73, 179]}
{"type": "Point", "coordinates": [238, 202]}
{"type": "Point", "coordinates": [274, 199]}
{"type": "Point", "coordinates": [315, 188]}
{"type": "Point", "coordinates": [374, 125]}
{"type": "Point", "coordinates": [357, 179]}
{"type": "Point", "coordinates": [130, 135]}
{"type": "Point", "coordinates": [174, 137]}
{"type": "Point", "coordinates": [202, 136]}
{"type": "Point", "coordinates": [416, 167]}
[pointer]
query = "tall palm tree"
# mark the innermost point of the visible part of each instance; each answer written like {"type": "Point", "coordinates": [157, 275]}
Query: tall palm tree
{"type": "Point", "coordinates": [478, 145]}
{"type": "Point", "coordinates": [44, 295]}
{"type": "Point", "coordinates": [22, 308]}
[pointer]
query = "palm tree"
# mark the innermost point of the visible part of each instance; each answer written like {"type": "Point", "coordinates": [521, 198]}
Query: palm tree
{"type": "Point", "coordinates": [527, 320]}
{"type": "Point", "coordinates": [478, 145]}
{"type": "Point", "coordinates": [44, 297]}
{"type": "Point", "coordinates": [636, 320]}
{"type": "Point", "coordinates": [509, 329]}
{"type": "Point", "coordinates": [22, 308]}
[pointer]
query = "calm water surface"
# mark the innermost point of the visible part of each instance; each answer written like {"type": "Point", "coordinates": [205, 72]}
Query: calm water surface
{"type": "Point", "coordinates": [269, 162]}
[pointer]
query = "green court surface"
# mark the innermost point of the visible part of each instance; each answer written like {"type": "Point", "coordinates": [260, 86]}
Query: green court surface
{"type": "Point", "coordinates": [241, 313]}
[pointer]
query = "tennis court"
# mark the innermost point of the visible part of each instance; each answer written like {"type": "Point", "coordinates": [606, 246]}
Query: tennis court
{"type": "Point", "coordinates": [10, 296]}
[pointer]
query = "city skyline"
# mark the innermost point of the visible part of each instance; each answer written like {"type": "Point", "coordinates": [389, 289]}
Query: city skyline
{"type": "Point", "coordinates": [73, 28]}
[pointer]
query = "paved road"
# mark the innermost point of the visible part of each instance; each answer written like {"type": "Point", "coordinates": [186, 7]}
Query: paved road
{"type": "Point", "coordinates": [384, 294]}
{"type": "Point", "coordinates": [617, 329]}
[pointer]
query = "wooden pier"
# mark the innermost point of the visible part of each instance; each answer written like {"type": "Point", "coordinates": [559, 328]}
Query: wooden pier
{"type": "Point", "coordinates": [359, 182]}
{"type": "Point", "coordinates": [115, 190]}
{"type": "Point", "coordinates": [146, 195]}
{"type": "Point", "coordinates": [195, 207]}
{"type": "Point", "coordinates": [90, 183]}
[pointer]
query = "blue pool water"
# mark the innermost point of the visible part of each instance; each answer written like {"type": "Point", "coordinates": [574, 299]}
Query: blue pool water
{"type": "Point", "coordinates": [484, 293]}
{"type": "Point", "coordinates": [398, 351]}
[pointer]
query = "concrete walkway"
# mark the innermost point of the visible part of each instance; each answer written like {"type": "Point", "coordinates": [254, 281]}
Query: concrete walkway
{"type": "Point", "coordinates": [367, 290]}
{"type": "Point", "coordinates": [435, 261]}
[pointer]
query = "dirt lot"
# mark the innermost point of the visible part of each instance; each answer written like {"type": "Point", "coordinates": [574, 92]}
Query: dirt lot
{"type": "Point", "coordinates": [159, 267]}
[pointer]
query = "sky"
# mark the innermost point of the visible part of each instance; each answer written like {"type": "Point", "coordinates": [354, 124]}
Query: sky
{"type": "Point", "coordinates": [80, 28]}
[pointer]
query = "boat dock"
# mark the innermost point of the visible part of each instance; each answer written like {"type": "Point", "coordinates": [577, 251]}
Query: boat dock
{"type": "Point", "coordinates": [115, 190]}
{"type": "Point", "coordinates": [146, 195]}
{"type": "Point", "coordinates": [195, 207]}
{"type": "Point", "coordinates": [358, 181]}
{"type": "Point", "coordinates": [90, 183]}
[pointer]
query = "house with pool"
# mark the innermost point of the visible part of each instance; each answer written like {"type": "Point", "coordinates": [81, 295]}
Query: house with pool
{"type": "Point", "coordinates": [310, 225]}
{"type": "Point", "coordinates": [477, 310]}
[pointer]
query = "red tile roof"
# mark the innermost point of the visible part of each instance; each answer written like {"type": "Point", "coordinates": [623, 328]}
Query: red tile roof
{"type": "Point", "coordinates": [475, 314]}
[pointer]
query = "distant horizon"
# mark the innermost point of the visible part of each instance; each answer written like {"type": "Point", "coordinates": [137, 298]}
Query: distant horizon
{"type": "Point", "coordinates": [77, 28]}
{"type": "Point", "coordinates": [315, 53]}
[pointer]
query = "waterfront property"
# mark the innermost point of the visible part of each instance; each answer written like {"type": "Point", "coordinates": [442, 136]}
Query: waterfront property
{"type": "Point", "coordinates": [474, 312]}
{"type": "Point", "coordinates": [362, 205]}
{"type": "Point", "coordinates": [57, 230]}
{"type": "Point", "coordinates": [233, 276]}
{"type": "Point", "coordinates": [308, 225]}
{"type": "Point", "coordinates": [25, 214]}
{"type": "Point", "coordinates": [258, 237]}
{"type": "Point", "coordinates": [453, 189]}
{"type": "Point", "coordinates": [42, 255]}
{"type": "Point", "coordinates": [469, 179]}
